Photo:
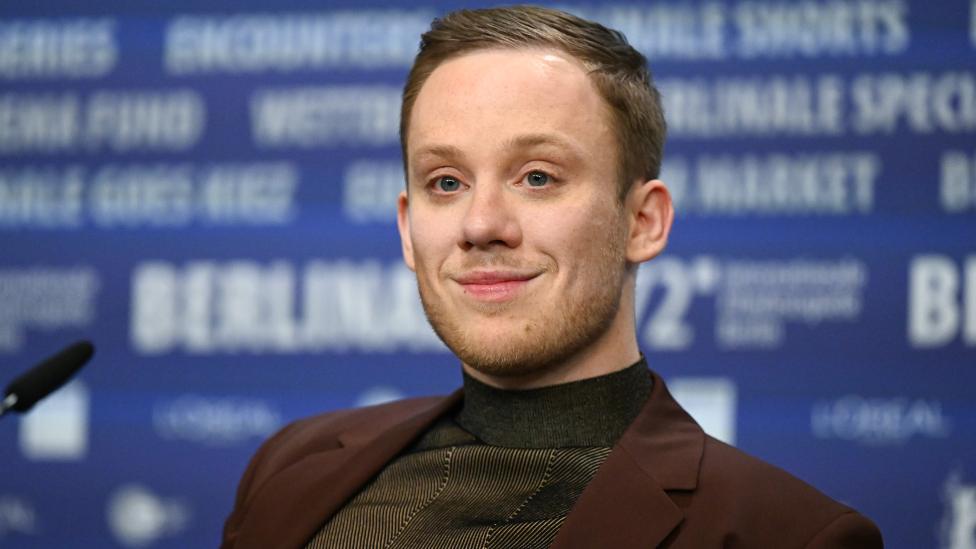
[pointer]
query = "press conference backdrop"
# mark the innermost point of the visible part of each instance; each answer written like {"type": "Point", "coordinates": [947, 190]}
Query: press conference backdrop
{"type": "Point", "coordinates": [207, 190]}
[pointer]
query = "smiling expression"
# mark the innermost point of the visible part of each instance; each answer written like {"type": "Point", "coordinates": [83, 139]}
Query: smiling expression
{"type": "Point", "coordinates": [512, 219]}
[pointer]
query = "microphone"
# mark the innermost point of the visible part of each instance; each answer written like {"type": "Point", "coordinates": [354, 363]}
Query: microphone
{"type": "Point", "coordinates": [45, 378]}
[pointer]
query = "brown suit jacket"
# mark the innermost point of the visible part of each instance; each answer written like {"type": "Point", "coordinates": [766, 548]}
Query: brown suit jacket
{"type": "Point", "coordinates": [665, 484]}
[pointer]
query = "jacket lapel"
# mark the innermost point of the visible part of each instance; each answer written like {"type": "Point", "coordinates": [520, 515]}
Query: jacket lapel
{"type": "Point", "coordinates": [626, 505]}
{"type": "Point", "coordinates": [293, 504]}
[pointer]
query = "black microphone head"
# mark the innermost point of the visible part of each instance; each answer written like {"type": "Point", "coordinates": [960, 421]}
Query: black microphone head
{"type": "Point", "coordinates": [48, 376]}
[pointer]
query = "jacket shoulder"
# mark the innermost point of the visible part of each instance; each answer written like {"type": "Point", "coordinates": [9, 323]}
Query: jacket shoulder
{"type": "Point", "coordinates": [309, 436]}
{"type": "Point", "coordinates": [322, 432]}
{"type": "Point", "coordinates": [761, 503]}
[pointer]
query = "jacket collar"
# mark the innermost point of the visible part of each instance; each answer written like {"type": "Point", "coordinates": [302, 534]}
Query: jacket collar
{"type": "Point", "coordinates": [666, 442]}
{"type": "Point", "coordinates": [625, 505]}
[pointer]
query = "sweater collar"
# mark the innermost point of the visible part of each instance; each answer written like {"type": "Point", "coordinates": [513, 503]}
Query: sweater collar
{"type": "Point", "coordinates": [588, 412]}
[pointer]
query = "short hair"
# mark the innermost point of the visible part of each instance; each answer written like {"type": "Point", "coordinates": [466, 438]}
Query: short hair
{"type": "Point", "coordinates": [619, 72]}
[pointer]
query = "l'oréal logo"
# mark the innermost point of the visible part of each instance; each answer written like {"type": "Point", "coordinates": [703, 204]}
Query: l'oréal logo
{"type": "Point", "coordinates": [879, 420]}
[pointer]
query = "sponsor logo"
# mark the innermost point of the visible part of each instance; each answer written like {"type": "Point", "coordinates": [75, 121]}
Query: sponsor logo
{"type": "Point", "coordinates": [711, 401]}
{"type": "Point", "coordinates": [137, 517]}
{"type": "Point", "coordinates": [16, 516]}
{"type": "Point", "coordinates": [379, 395]}
{"type": "Point", "coordinates": [44, 299]}
{"type": "Point", "coordinates": [57, 428]}
{"type": "Point", "coordinates": [879, 421]}
{"type": "Point", "coordinates": [959, 519]}
{"type": "Point", "coordinates": [215, 421]}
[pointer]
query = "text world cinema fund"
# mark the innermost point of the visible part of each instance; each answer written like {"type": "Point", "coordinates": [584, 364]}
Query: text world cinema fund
{"type": "Point", "coordinates": [119, 122]}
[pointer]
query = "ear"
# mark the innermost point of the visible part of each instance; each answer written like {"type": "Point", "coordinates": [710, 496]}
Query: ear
{"type": "Point", "coordinates": [651, 213]}
{"type": "Point", "coordinates": [403, 224]}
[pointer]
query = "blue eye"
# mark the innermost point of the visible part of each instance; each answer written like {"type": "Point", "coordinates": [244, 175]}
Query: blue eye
{"type": "Point", "coordinates": [537, 179]}
{"type": "Point", "coordinates": [448, 184]}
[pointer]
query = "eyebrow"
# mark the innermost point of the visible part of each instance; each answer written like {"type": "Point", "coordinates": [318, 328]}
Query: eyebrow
{"type": "Point", "coordinates": [524, 141]}
{"type": "Point", "coordinates": [442, 151]}
{"type": "Point", "coordinates": [540, 139]}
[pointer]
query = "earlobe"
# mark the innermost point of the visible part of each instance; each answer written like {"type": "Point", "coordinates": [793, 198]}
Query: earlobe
{"type": "Point", "coordinates": [651, 214]}
{"type": "Point", "coordinates": [403, 225]}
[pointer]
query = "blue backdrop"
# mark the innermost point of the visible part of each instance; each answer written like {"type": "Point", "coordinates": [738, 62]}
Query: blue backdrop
{"type": "Point", "coordinates": [207, 191]}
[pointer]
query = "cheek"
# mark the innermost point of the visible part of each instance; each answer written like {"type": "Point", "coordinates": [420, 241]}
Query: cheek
{"type": "Point", "coordinates": [432, 241]}
{"type": "Point", "coordinates": [586, 234]}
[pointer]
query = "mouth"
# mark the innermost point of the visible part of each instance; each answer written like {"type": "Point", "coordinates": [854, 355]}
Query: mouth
{"type": "Point", "coordinates": [494, 286]}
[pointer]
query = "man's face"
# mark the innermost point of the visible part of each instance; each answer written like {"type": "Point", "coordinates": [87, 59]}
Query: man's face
{"type": "Point", "coordinates": [512, 221]}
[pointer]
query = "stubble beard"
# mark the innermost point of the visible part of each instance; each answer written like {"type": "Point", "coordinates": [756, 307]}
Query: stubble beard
{"type": "Point", "coordinates": [540, 338]}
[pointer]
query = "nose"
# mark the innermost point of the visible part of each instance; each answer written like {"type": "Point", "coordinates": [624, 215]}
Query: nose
{"type": "Point", "coordinates": [490, 219]}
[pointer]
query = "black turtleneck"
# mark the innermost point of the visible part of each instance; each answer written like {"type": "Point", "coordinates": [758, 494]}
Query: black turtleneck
{"type": "Point", "coordinates": [503, 471]}
{"type": "Point", "coordinates": [589, 412]}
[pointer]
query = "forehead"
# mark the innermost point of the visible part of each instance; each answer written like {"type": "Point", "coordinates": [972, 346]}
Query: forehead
{"type": "Point", "coordinates": [493, 96]}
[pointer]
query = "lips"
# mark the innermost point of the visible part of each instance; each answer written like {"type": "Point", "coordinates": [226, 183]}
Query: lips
{"type": "Point", "coordinates": [494, 286]}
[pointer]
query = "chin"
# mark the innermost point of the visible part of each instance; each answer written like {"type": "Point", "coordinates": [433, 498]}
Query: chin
{"type": "Point", "coordinates": [525, 349]}
{"type": "Point", "coordinates": [507, 361]}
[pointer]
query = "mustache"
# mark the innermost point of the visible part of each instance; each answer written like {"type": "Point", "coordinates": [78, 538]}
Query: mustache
{"type": "Point", "coordinates": [499, 262]}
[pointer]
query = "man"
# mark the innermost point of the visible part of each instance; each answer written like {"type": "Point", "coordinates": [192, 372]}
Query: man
{"type": "Point", "coordinates": [532, 142]}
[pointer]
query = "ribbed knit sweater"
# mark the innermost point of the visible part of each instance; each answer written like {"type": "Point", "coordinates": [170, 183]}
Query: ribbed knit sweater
{"type": "Point", "coordinates": [502, 471]}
